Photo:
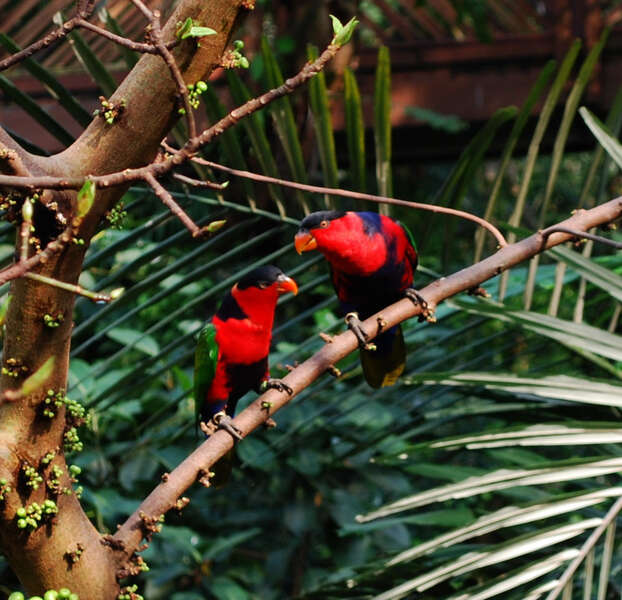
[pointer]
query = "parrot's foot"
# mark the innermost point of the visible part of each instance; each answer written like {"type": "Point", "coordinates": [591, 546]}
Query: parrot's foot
{"type": "Point", "coordinates": [275, 384]}
{"type": "Point", "coordinates": [354, 324]}
{"type": "Point", "coordinates": [427, 314]}
{"type": "Point", "coordinates": [223, 421]}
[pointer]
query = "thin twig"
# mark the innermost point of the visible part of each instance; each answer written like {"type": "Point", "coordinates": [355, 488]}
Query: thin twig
{"type": "Point", "coordinates": [359, 196]}
{"type": "Point", "coordinates": [582, 235]}
{"type": "Point", "coordinates": [192, 146]}
{"type": "Point", "coordinates": [165, 495]}
{"type": "Point", "coordinates": [169, 201]}
{"type": "Point", "coordinates": [24, 266]}
{"type": "Point", "coordinates": [48, 40]}
{"type": "Point", "coordinates": [70, 287]}
{"type": "Point", "coordinates": [198, 183]}
{"type": "Point", "coordinates": [143, 47]}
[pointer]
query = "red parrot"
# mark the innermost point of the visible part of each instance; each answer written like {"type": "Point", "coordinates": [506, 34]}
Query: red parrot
{"type": "Point", "coordinates": [232, 351]}
{"type": "Point", "coordinates": [372, 260]}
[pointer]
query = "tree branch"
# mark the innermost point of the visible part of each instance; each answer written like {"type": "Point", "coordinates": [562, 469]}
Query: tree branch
{"type": "Point", "coordinates": [165, 495]}
{"type": "Point", "coordinates": [357, 196]}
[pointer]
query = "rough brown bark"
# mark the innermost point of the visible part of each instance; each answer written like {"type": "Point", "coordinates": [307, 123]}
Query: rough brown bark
{"type": "Point", "coordinates": [39, 558]}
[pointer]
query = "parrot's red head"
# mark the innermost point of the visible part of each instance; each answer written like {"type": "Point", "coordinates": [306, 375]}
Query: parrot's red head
{"type": "Point", "coordinates": [322, 230]}
{"type": "Point", "coordinates": [257, 292]}
{"type": "Point", "coordinates": [351, 241]}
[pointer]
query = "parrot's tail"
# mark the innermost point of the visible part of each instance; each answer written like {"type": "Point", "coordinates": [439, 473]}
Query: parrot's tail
{"type": "Point", "coordinates": [383, 366]}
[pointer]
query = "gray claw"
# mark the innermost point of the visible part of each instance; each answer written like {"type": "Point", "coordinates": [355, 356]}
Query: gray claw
{"type": "Point", "coordinates": [276, 384]}
{"type": "Point", "coordinates": [354, 324]}
{"type": "Point", "coordinates": [223, 421]}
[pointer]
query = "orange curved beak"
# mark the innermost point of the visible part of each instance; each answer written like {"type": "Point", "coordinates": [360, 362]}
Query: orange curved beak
{"type": "Point", "coordinates": [304, 242]}
{"type": "Point", "coordinates": [286, 284]}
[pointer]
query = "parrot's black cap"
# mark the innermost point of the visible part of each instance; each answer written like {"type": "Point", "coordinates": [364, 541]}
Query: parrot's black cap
{"type": "Point", "coordinates": [313, 220]}
{"type": "Point", "coordinates": [260, 277]}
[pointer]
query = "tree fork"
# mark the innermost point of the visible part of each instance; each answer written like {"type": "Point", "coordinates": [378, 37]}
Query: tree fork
{"type": "Point", "coordinates": [40, 557]}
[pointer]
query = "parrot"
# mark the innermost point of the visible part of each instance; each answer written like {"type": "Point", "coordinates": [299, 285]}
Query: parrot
{"type": "Point", "coordinates": [372, 260]}
{"type": "Point", "coordinates": [231, 356]}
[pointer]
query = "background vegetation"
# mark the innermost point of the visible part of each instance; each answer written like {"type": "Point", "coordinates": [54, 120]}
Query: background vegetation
{"type": "Point", "coordinates": [489, 463]}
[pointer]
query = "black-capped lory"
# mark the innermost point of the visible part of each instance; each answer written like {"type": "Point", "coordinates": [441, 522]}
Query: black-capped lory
{"type": "Point", "coordinates": [231, 357]}
{"type": "Point", "coordinates": [372, 260]}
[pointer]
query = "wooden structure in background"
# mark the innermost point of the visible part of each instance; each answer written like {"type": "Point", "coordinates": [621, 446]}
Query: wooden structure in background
{"type": "Point", "coordinates": [438, 60]}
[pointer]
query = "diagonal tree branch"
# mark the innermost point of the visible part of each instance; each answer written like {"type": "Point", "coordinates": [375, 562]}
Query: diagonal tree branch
{"type": "Point", "coordinates": [166, 494]}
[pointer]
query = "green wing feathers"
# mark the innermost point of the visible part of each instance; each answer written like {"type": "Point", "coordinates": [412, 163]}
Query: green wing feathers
{"type": "Point", "coordinates": [205, 361]}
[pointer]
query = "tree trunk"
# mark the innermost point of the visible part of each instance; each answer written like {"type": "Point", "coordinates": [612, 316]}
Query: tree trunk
{"type": "Point", "coordinates": [42, 558]}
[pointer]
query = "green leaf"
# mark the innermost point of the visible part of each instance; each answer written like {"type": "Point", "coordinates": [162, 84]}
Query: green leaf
{"type": "Point", "coordinates": [605, 279]}
{"type": "Point", "coordinates": [255, 130]}
{"type": "Point", "coordinates": [500, 480]}
{"type": "Point", "coordinates": [382, 122]}
{"type": "Point", "coordinates": [33, 109]}
{"type": "Point", "coordinates": [200, 32]}
{"type": "Point", "coordinates": [343, 33]}
{"type": "Point", "coordinates": [534, 146]}
{"type": "Point", "coordinates": [135, 339]}
{"type": "Point", "coordinates": [519, 124]}
{"type": "Point", "coordinates": [284, 122]}
{"type": "Point", "coordinates": [578, 336]}
{"type": "Point", "coordinates": [52, 84]}
{"type": "Point", "coordinates": [603, 135]}
{"type": "Point", "coordinates": [558, 387]}
{"type": "Point", "coordinates": [323, 124]}
{"type": "Point", "coordinates": [4, 307]}
{"type": "Point", "coordinates": [39, 377]}
{"type": "Point", "coordinates": [184, 29]}
{"type": "Point", "coordinates": [436, 120]}
{"type": "Point", "coordinates": [492, 555]}
{"type": "Point", "coordinates": [86, 196]}
{"type": "Point", "coordinates": [355, 132]}
{"type": "Point", "coordinates": [229, 141]}
{"type": "Point", "coordinates": [129, 56]}
{"type": "Point", "coordinates": [508, 516]}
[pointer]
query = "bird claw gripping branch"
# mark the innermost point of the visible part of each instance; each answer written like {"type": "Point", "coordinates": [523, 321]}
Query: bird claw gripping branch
{"type": "Point", "coordinates": [275, 384]}
{"type": "Point", "coordinates": [223, 421]}
{"type": "Point", "coordinates": [354, 324]}
{"type": "Point", "coordinates": [427, 314]}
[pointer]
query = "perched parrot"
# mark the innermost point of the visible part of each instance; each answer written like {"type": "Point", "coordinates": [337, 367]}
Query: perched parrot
{"type": "Point", "coordinates": [231, 357]}
{"type": "Point", "coordinates": [372, 260]}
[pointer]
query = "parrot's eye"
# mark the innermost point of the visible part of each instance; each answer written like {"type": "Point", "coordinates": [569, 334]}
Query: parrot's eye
{"type": "Point", "coordinates": [263, 285]}
{"type": "Point", "coordinates": [324, 224]}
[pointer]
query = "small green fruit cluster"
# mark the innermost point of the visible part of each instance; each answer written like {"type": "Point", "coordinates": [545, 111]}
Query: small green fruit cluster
{"type": "Point", "coordinates": [116, 215]}
{"type": "Point", "coordinates": [51, 321]}
{"type": "Point", "coordinates": [7, 201]}
{"type": "Point", "coordinates": [62, 594]}
{"type": "Point", "coordinates": [52, 399]}
{"type": "Point", "coordinates": [14, 368]}
{"type": "Point", "coordinates": [109, 111]}
{"type": "Point", "coordinates": [194, 95]}
{"type": "Point", "coordinates": [129, 593]}
{"type": "Point", "coordinates": [55, 400]}
{"type": "Point", "coordinates": [71, 441]}
{"type": "Point", "coordinates": [32, 515]}
{"type": "Point", "coordinates": [48, 458]}
{"type": "Point", "coordinates": [53, 482]}
{"type": "Point", "coordinates": [5, 488]}
{"type": "Point", "coordinates": [33, 477]}
{"type": "Point", "coordinates": [234, 58]}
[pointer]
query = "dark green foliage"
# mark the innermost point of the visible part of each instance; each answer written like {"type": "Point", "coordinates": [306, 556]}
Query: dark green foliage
{"type": "Point", "coordinates": [523, 403]}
